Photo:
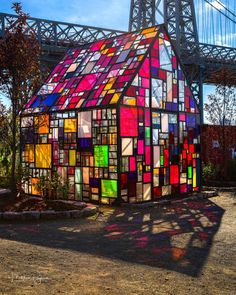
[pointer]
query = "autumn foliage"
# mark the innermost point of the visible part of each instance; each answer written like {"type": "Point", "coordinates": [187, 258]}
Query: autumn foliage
{"type": "Point", "coordinates": [19, 74]}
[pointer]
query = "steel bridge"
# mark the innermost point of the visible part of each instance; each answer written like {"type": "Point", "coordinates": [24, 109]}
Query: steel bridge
{"type": "Point", "coordinates": [56, 37]}
{"type": "Point", "coordinates": [200, 59]}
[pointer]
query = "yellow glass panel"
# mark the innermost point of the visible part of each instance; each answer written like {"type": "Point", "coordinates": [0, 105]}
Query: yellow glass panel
{"type": "Point", "coordinates": [140, 57]}
{"type": "Point", "coordinates": [34, 189]}
{"type": "Point", "coordinates": [161, 41]}
{"type": "Point", "coordinates": [130, 100]}
{"type": "Point", "coordinates": [115, 98]}
{"type": "Point", "coordinates": [151, 35]}
{"type": "Point", "coordinates": [194, 177]}
{"type": "Point", "coordinates": [111, 91]}
{"type": "Point", "coordinates": [104, 51]}
{"type": "Point", "coordinates": [29, 153]}
{"type": "Point", "coordinates": [149, 30]}
{"type": "Point", "coordinates": [108, 86]}
{"type": "Point", "coordinates": [72, 157]}
{"type": "Point", "coordinates": [70, 125]}
{"type": "Point", "coordinates": [42, 123]}
{"type": "Point", "coordinates": [43, 155]}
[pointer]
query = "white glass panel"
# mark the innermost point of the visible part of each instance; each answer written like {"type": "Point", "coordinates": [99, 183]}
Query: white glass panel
{"type": "Point", "coordinates": [84, 125]}
{"type": "Point", "coordinates": [127, 146]}
{"type": "Point", "coordinates": [164, 122]}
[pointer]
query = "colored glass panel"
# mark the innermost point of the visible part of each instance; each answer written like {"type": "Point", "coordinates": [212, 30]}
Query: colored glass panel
{"type": "Point", "coordinates": [72, 158]}
{"type": "Point", "coordinates": [35, 191]}
{"type": "Point", "coordinates": [43, 153]}
{"type": "Point", "coordinates": [128, 121]}
{"type": "Point", "coordinates": [70, 125]}
{"type": "Point", "coordinates": [127, 146]}
{"type": "Point", "coordinates": [84, 124]}
{"type": "Point", "coordinates": [42, 123]}
{"type": "Point", "coordinates": [174, 174]}
{"type": "Point", "coordinates": [109, 188]}
{"type": "Point", "coordinates": [101, 156]}
{"type": "Point", "coordinates": [29, 153]}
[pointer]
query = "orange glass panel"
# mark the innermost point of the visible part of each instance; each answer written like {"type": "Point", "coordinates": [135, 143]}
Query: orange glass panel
{"type": "Point", "coordinates": [29, 153]}
{"type": "Point", "coordinates": [70, 125]}
{"type": "Point", "coordinates": [43, 154]}
{"type": "Point", "coordinates": [35, 191]}
{"type": "Point", "coordinates": [42, 123]}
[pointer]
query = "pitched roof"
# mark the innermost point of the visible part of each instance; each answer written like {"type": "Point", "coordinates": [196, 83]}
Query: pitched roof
{"type": "Point", "coordinates": [94, 74]}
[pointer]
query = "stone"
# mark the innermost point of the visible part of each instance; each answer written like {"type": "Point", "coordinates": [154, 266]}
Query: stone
{"type": "Point", "coordinates": [49, 214]}
{"type": "Point", "coordinates": [89, 211]}
{"type": "Point", "coordinates": [62, 214]}
{"type": "Point", "coordinates": [4, 191]}
{"type": "Point", "coordinates": [76, 213]}
{"type": "Point", "coordinates": [11, 215]}
{"type": "Point", "coordinates": [30, 215]}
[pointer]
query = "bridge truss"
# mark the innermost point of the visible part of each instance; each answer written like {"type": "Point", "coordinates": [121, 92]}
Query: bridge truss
{"type": "Point", "coordinates": [200, 60]}
{"type": "Point", "coordinates": [56, 37]}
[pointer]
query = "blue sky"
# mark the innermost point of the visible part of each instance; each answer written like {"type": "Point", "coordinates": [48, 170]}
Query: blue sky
{"type": "Point", "coordinates": [102, 13]}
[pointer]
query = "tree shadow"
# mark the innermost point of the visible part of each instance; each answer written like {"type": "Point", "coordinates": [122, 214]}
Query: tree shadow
{"type": "Point", "coordinates": [177, 237]}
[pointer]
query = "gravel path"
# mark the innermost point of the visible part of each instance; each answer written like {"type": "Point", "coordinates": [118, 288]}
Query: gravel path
{"type": "Point", "coordinates": [186, 248]}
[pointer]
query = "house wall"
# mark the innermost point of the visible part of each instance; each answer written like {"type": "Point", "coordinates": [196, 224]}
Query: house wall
{"type": "Point", "coordinates": [80, 146]}
{"type": "Point", "coordinates": [160, 130]}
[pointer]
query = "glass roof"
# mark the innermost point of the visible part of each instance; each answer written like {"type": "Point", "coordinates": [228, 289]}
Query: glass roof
{"type": "Point", "coordinates": [95, 74]}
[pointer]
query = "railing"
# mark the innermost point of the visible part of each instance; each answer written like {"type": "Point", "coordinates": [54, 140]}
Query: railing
{"type": "Point", "coordinates": [55, 33]}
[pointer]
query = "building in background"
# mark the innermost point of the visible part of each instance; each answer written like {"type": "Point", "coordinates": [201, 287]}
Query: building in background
{"type": "Point", "coordinates": [219, 146]}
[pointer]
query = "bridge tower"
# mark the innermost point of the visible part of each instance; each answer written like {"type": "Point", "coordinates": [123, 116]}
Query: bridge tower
{"type": "Point", "coordinates": [180, 20]}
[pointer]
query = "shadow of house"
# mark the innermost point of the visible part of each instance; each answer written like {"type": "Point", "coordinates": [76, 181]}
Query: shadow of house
{"type": "Point", "coordinates": [177, 237]}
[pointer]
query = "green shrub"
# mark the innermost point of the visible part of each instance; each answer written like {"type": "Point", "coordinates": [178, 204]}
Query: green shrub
{"type": "Point", "coordinates": [209, 172]}
{"type": "Point", "coordinates": [53, 187]}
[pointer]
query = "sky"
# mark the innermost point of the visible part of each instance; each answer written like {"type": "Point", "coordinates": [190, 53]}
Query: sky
{"type": "Point", "coordinates": [113, 14]}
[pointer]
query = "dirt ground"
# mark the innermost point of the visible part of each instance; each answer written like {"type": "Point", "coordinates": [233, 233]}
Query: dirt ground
{"type": "Point", "coordinates": [188, 247]}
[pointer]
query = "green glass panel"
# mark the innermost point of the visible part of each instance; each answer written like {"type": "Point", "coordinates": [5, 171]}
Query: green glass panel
{"type": "Point", "coordinates": [162, 160]}
{"type": "Point", "coordinates": [109, 188]}
{"type": "Point", "coordinates": [78, 191]}
{"type": "Point", "coordinates": [78, 175]}
{"type": "Point", "coordinates": [147, 132]}
{"type": "Point", "coordinates": [101, 155]}
{"type": "Point", "coordinates": [190, 172]}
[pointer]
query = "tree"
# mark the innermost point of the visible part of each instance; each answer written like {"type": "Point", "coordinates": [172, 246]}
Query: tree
{"type": "Point", "coordinates": [4, 140]}
{"type": "Point", "coordinates": [221, 109]}
{"type": "Point", "coordinates": [221, 106]}
{"type": "Point", "coordinates": [19, 74]}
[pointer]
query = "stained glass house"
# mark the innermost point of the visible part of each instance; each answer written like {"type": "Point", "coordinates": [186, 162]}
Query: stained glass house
{"type": "Point", "coordinates": [117, 119]}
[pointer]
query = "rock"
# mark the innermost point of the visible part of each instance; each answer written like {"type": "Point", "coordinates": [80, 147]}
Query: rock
{"type": "Point", "coordinates": [49, 214]}
{"type": "Point", "coordinates": [76, 213]}
{"type": "Point", "coordinates": [62, 214]}
{"type": "Point", "coordinates": [11, 215]}
{"type": "Point", "coordinates": [4, 191]}
{"type": "Point", "coordinates": [89, 211]}
{"type": "Point", "coordinates": [209, 194]}
{"type": "Point", "coordinates": [30, 215]}
{"type": "Point", "coordinates": [68, 205]}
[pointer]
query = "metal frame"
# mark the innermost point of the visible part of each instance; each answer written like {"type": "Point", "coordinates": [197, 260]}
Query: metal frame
{"type": "Point", "coordinates": [56, 37]}
{"type": "Point", "coordinates": [200, 60]}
